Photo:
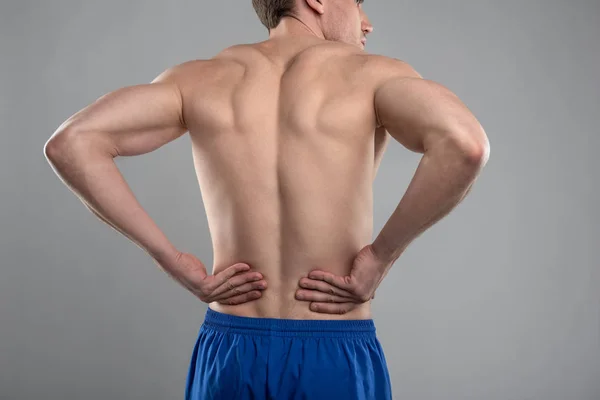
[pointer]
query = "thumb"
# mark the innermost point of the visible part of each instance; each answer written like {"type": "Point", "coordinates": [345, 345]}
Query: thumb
{"type": "Point", "coordinates": [361, 261]}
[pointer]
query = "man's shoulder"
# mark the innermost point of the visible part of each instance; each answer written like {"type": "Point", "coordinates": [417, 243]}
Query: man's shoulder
{"type": "Point", "coordinates": [201, 71]}
{"type": "Point", "coordinates": [389, 67]}
{"type": "Point", "coordinates": [200, 66]}
{"type": "Point", "coordinates": [353, 59]}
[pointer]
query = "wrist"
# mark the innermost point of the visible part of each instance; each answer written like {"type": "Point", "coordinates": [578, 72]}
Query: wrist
{"type": "Point", "coordinates": [383, 251]}
{"type": "Point", "coordinates": [167, 254]}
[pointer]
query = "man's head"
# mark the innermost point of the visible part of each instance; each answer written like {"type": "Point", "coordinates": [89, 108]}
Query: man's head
{"type": "Point", "coordinates": [337, 20]}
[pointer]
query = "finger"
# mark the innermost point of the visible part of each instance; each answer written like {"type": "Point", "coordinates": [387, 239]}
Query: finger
{"type": "Point", "coordinates": [227, 273]}
{"type": "Point", "coordinates": [320, 297]}
{"type": "Point", "coordinates": [341, 282]}
{"type": "Point", "coordinates": [332, 308]}
{"type": "Point", "coordinates": [235, 281]}
{"type": "Point", "coordinates": [242, 298]}
{"type": "Point", "coordinates": [307, 283]}
{"type": "Point", "coordinates": [236, 291]}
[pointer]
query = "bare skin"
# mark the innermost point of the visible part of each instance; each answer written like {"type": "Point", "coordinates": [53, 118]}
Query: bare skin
{"type": "Point", "coordinates": [299, 165]}
{"type": "Point", "coordinates": [287, 137]}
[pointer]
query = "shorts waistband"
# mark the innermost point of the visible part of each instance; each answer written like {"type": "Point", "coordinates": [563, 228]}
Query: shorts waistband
{"type": "Point", "coordinates": [225, 323]}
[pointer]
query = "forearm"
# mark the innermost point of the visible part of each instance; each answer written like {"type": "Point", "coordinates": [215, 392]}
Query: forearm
{"type": "Point", "coordinates": [443, 178]}
{"type": "Point", "coordinates": [91, 173]}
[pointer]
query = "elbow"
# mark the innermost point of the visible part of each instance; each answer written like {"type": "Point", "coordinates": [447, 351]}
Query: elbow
{"type": "Point", "coordinates": [473, 147]}
{"type": "Point", "coordinates": [67, 143]}
{"type": "Point", "coordinates": [479, 153]}
{"type": "Point", "coordinates": [56, 146]}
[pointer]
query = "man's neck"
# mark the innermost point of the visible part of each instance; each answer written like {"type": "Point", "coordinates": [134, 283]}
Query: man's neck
{"type": "Point", "coordinates": [293, 26]}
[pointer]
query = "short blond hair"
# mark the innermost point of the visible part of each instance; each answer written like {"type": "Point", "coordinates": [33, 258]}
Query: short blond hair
{"type": "Point", "coordinates": [270, 12]}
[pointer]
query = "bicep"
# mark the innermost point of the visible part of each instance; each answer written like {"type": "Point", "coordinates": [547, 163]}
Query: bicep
{"type": "Point", "coordinates": [132, 120]}
{"type": "Point", "coordinates": [416, 112]}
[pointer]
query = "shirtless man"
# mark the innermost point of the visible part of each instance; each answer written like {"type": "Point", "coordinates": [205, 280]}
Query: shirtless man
{"type": "Point", "coordinates": [287, 137]}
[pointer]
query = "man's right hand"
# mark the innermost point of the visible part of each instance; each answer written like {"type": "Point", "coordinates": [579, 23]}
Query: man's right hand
{"type": "Point", "coordinates": [333, 294]}
{"type": "Point", "coordinates": [232, 286]}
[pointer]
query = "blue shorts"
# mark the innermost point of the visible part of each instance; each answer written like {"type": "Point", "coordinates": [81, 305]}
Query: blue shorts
{"type": "Point", "coordinates": [239, 358]}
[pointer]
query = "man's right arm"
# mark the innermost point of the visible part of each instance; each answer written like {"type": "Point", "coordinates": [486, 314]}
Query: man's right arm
{"type": "Point", "coordinates": [427, 118]}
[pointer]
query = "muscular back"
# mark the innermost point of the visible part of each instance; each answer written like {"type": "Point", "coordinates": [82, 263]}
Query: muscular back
{"type": "Point", "coordinates": [286, 147]}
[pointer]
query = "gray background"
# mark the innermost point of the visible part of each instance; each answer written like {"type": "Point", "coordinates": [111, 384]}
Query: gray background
{"type": "Point", "coordinates": [500, 300]}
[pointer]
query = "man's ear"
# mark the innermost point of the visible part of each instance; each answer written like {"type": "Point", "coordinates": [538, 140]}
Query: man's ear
{"type": "Point", "coordinates": [317, 5]}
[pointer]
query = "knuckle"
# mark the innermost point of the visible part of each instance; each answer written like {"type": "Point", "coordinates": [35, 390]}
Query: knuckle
{"type": "Point", "coordinates": [229, 285]}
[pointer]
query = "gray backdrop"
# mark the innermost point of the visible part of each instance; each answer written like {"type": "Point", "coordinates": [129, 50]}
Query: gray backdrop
{"type": "Point", "coordinates": [500, 300]}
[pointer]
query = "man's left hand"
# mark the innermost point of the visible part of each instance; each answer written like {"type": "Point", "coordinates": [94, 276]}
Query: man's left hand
{"type": "Point", "coordinates": [333, 294]}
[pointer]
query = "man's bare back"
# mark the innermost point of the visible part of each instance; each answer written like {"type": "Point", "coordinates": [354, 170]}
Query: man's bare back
{"type": "Point", "coordinates": [287, 137]}
{"type": "Point", "coordinates": [286, 149]}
